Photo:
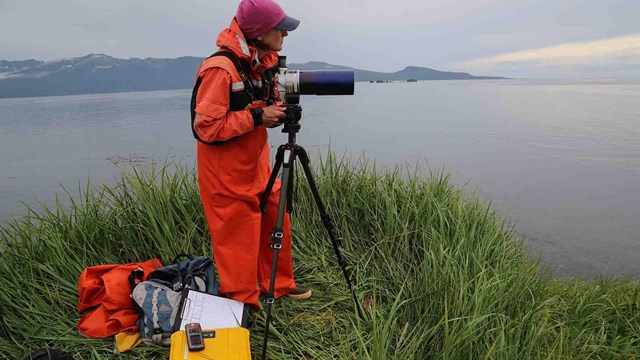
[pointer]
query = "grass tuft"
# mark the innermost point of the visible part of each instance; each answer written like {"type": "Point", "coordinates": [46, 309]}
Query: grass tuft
{"type": "Point", "coordinates": [438, 274]}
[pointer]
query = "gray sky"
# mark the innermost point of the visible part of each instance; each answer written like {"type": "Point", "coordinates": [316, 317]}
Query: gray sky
{"type": "Point", "coordinates": [519, 38]}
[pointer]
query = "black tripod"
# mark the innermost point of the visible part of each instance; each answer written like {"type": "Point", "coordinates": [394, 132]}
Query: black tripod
{"type": "Point", "coordinates": [285, 158]}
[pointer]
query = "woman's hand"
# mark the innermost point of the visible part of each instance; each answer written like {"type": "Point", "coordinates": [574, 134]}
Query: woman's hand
{"type": "Point", "coordinates": [272, 114]}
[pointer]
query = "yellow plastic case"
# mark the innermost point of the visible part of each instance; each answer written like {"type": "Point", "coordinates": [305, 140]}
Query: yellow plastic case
{"type": "Point", "coordinates": [219, 344]}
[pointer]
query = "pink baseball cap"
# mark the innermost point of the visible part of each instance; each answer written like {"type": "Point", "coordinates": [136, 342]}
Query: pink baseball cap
{"type": "Point", "coordinates": [256, 17]}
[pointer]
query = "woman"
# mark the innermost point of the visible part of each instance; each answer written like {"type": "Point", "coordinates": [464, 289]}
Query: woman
{"type": "Point", "coordinates": [235, 100]}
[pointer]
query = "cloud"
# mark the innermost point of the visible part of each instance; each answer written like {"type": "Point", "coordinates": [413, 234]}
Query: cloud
{"type": "Point", "coordinates": [618, 53]}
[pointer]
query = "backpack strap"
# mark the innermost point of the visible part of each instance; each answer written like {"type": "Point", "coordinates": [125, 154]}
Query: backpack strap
{"type": "Point", "coordinates": [162, 339]}
{"type": "Point", "coordinates": [176, 260]}
{"type": "Point", "coordinates": [248, 85]}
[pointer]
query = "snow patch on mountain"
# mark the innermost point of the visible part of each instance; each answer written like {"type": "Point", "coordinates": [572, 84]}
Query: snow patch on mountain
{"type": "Point", "coordinates": [7, 75]}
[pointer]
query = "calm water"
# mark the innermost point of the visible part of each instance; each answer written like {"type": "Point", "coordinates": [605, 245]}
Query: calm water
{"type": "Point", "coordinates": [561, 160]}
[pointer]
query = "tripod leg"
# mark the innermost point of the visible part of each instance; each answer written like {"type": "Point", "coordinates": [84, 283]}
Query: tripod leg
{"type": "Point", "coordinates": [276, 240]}
{"type": "Point", "coordinates": [291, 184]}
{"type": "Point", "coordinates": [272, 178]}
{"type": "Point", "coordinates": [327, 221]}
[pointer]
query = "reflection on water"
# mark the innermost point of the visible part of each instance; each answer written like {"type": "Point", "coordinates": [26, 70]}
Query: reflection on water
{"type": "Point", "coordinates": [560, 160]}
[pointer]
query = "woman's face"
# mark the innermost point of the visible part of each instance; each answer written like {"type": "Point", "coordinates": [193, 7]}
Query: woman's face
{"type": "Point", "coordinates": [273, 39]}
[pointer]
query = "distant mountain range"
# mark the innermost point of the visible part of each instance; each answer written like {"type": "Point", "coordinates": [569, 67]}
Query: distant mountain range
{"type": "Point", "coordinates": [98, 73]}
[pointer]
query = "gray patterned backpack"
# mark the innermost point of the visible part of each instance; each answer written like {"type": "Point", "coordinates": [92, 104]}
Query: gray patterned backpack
{"type": "Point", "coordinates": [158, 298]}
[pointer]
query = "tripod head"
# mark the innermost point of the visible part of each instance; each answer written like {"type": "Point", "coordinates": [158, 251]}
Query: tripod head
{"type": "Point", "coordinates": [294, 114]}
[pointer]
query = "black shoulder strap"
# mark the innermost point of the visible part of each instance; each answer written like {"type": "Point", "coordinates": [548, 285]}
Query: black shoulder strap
{"type": "Point", "coordinates": [241, 70]}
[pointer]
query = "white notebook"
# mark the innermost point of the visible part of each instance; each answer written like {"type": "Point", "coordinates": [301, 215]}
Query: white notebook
{"type": "Point", "coordinates": [210, 311]}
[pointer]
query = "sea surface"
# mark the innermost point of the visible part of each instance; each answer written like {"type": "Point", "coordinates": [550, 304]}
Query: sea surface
{"type": "Point", "coordinates": [560, 160]}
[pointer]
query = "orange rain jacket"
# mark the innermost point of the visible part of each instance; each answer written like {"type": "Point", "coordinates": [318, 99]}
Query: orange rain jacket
{"type": "Point", "coordinates": [104, 291]}
{"type": "Point", "coordinates": [233, 176]}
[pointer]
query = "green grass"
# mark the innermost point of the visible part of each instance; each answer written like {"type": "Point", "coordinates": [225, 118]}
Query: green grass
{"type": "Point", "coordinates": [438, 274]}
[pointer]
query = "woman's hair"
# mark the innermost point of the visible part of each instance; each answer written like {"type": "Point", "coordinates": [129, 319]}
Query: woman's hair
{"type": "Point", "coordinates": [257, 44]}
